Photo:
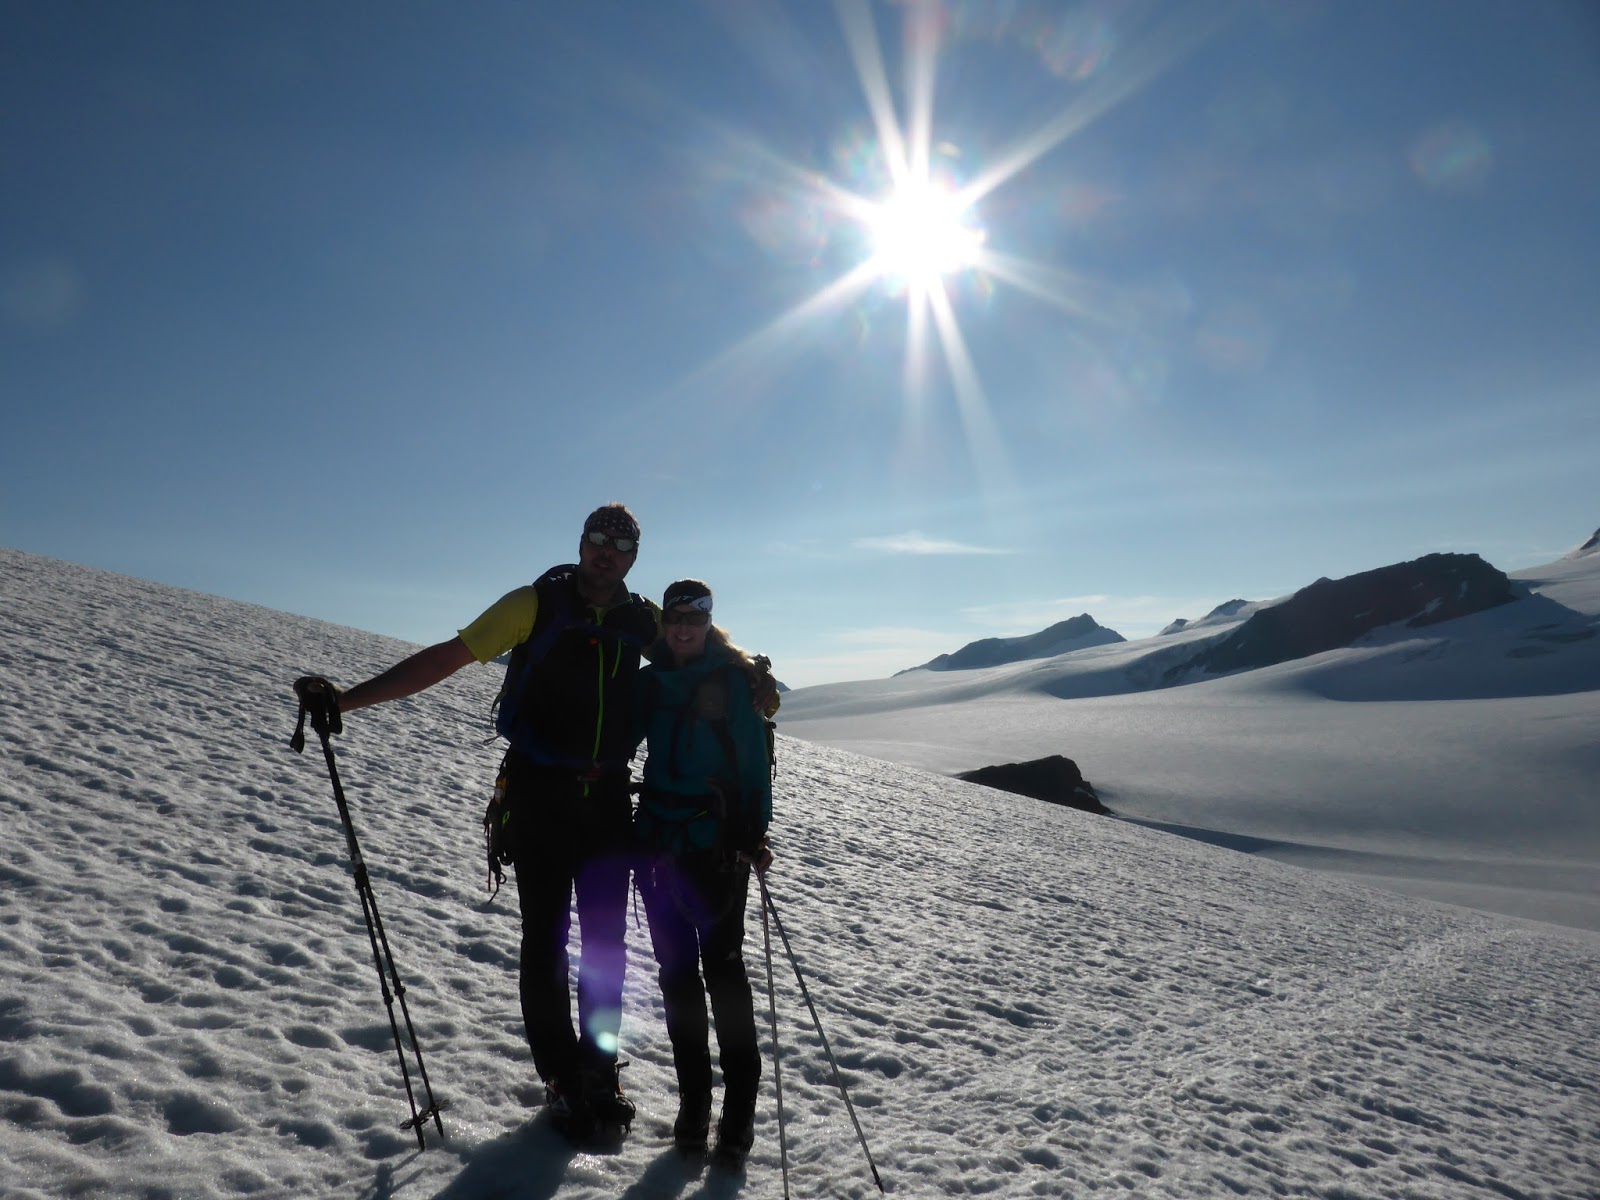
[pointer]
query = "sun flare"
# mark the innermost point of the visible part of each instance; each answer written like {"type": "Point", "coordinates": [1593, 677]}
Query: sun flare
{"type": "Point", "coordinates": [921, 232]}
{"type": "Point", "coordinates": [902, 205]}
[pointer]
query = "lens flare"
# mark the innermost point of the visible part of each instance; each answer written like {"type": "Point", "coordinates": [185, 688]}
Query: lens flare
{"type": "Point", "coordinates": [1452, 158]}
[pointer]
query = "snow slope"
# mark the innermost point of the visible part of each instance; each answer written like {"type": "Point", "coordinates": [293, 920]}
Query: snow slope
{"type": "Point", "coordinates": [1026, 1000]}
{"type": "Point", "coordinates": [1458, 761]}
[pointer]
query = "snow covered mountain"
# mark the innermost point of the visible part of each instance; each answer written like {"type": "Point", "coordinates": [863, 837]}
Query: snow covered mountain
{"type": "Point", "coordinates": [1330, 614]}
{"type": "Point", "coordinates": [1075, 633]}
{"type": "Point", "coordinates": [1455, 759]}
{"type": "Point", "coordinates": [1592, 546]}
{"type": "Point", "coordinates": [1222, 612]}
{"type": "Point", "coordinates": [1025, 1000]}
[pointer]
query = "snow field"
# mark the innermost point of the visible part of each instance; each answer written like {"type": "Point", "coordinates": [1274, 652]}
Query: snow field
{"type": "Point", "coordinates": [1024, 1000]}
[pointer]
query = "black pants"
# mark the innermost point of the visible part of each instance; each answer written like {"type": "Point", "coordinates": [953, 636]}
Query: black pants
{"type": "Point", "coordinates": [696, 910]}
{"type": "Point", "coordinates": [572, 839]}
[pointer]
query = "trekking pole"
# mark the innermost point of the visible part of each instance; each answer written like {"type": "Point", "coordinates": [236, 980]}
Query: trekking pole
{"type": "Point", "coordinates": [325, 719]}
{"type": "Point", "coordinates": [768, 906]}
{"type": "Point", "coordinates": [772, 1013]}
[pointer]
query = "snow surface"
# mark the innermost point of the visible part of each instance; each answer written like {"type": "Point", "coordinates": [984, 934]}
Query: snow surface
{"type": "Point", "coordinates": [1027, 1001]}
{"type": "Point", "coordinates": [1460, 761]}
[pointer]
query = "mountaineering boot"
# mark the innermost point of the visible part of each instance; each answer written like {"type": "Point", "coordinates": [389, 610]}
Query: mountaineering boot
{"type": "Point", "coordinates": [692, 1129]}
{"type": "Point", "coordinates": [603, 1088]}
{"type": "Point", "coordinates": [736, 1133]}
{"type": "Point", "coordinates": [569, 1109]}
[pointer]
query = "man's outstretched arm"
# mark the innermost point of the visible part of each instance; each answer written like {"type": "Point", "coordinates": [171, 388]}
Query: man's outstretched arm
{"type": "Point", "coordinates": [422, 670]}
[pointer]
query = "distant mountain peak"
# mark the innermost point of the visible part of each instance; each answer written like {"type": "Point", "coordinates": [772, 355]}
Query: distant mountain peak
{"type": "Point", "coordinates": [1223, 611]}
{"type": "Point", "coordinates": [1592, 546]}
{"type": "Point", "coordinates": [1075, 633]}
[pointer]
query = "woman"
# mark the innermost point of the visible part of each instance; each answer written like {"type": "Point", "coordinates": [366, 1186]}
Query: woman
{"type": "Point", "coordinates": [701, 825]}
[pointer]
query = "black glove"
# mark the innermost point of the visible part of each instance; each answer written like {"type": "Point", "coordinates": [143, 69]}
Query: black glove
{"type": "Point", "coordinates": [319, 698]}
{"type": "Point", "coordinates": [308, 687]}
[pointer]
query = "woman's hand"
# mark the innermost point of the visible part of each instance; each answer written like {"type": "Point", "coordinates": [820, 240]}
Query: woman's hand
{"type": "Point", "coordinates": [760, 858]}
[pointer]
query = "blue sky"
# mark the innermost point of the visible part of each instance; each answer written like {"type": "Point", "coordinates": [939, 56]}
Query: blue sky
{"type": "Point", "coordinates": [354, 310]}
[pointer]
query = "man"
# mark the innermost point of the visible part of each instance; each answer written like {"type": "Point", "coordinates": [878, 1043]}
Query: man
{"type": "Point", "coordinates": [576, 638]}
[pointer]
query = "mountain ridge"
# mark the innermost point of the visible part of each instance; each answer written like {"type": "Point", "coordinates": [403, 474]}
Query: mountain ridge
{"type": "Point", "coordinates": [1240, 635]}
{"type": "Point", "coordinates": [1075, 633]}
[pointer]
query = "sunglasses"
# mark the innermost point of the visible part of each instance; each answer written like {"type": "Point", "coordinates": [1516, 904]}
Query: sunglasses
{"type": "Point", "coordinates": [673, 617]}
{"type": "Point", "coordinates": [622, 545]}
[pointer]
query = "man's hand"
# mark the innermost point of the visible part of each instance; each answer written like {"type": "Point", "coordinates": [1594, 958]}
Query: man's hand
{"type": "Point", "coordinates": [319, 699]}
{"type": "Point", "coordinates": [311, 688]}
{"type": "Point", "coordinates": [763, 686]}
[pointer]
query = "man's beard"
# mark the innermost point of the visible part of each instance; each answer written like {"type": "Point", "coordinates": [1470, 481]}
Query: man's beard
{"type": "Point", "coordinates": [601, 583]}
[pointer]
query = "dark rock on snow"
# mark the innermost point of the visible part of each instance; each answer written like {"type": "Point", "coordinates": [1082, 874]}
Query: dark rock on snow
{"type": "Point", "coordinates": [1055, 779]}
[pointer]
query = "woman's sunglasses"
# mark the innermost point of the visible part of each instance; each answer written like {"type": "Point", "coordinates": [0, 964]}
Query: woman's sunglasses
{"type": "Point", "coordinates": [673, 617]}
{"type": "Point", "coordinates": [622, 545]}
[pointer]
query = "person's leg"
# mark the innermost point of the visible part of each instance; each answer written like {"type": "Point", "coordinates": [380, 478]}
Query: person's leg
{"type": "Point", "coordinates": [732, 1004]}
{"type": "Point", "coordinates": [676, 945]}
{"type": "Point", "coordinates": [544, 891]}
{"type": "Point", "coordinates": [601, 888]}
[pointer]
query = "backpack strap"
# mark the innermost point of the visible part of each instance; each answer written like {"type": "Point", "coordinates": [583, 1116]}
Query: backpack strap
{"type": "Point", "coordinates": [733, 805]}
{"type": "Point", "coordinates": [558, 614]}
{"type": "Point", "coordinates": [527, 654]}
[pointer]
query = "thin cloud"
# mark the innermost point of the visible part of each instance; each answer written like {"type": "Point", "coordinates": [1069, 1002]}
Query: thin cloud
{"type": "Point", "coordinates": [915, 542]}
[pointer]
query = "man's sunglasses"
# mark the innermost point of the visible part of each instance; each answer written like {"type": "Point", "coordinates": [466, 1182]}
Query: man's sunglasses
{"type": "Point", "coordinates": [622, 545]}
{"type": "Point", "coordinates": [673, 616]}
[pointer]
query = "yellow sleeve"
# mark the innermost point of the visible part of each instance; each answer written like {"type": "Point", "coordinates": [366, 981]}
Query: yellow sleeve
{"type": "Point", "coordinates": [504, 624]}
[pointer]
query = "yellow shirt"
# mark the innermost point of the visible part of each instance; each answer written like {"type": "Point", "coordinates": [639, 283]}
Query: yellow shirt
{"type": "Point", "coordinates": [509, 621]}
{"type": "Point", "coordinates": [504, 624]}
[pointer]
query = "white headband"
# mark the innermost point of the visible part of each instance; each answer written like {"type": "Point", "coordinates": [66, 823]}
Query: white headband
{"type": "Point", "coordinates": [703, 603]}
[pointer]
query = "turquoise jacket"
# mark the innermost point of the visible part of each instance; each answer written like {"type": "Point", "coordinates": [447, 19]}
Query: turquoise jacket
{"type": "Point", "coordinates": [707, 782]}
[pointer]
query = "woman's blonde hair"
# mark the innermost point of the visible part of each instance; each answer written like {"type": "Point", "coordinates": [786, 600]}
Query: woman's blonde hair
{"type": "Point", "coordinates": [719, 636]}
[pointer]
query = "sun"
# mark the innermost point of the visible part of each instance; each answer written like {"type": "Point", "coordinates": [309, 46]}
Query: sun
{"type": "Point", "coordinates": [921, 232]}
{"type": "Point", "coordinates": [902, 203]}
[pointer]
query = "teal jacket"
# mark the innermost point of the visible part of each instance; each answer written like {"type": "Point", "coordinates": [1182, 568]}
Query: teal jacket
{"type": "Point", "coordinates": [707, 782]}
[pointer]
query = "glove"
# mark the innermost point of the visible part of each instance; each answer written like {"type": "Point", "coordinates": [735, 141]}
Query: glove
{"type": "Point", "coordinates": [320, 699]}
{"type": "Point", "coordinates": [312, 687]}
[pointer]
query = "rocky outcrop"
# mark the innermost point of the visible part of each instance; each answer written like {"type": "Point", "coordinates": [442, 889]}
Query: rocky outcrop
{"type": "Point", "coordinates": [1055, 779]}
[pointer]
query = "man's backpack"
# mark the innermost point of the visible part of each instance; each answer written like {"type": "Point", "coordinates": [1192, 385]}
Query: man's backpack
{"type": "Point", "coordinates": [557, 616]}
{"type": "Point", "coordinates": [530, 711]}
